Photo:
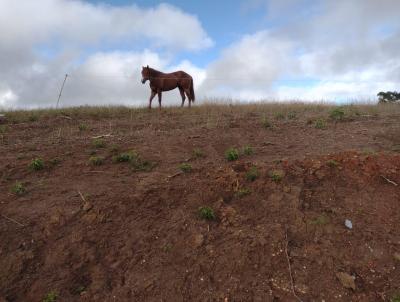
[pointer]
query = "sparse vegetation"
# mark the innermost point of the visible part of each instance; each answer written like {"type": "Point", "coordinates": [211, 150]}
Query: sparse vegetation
{"type": "Point", "coordinates": [332, 163]}
{"type": "Point", "coordinates": [395, 298]}
{"type": "Point", "coordinates": [98, 143]}
{"type": "Point", "coordinates": [50, 297]}
{"type": "Point", "coordinates": [337, 114]}
{"type": "Point", "coordinates": [36, 164]}
{"type": "Point", "coordinates": [266, 123]}
{"type": "Point", "coordinates": [279, 116]}
{"type": "Point", "coordinates": [185, 167]}
{"type": "Point", "coordinates": [126, 157]}
{"type": "Point", "coordinates": [96, 160]}
{"type": "Point", "coordinates": [82, 127]}
{"type": "Point", "coordinates": [18, 188]}
{"type": "Point", "coordinates": [33, 118]}
{"type": "Point", "coordinates": [114, 148]}
{"type": "Point", "coordinates": [232, 154]}
{"type": "Point", "coordinates": [3, 129]}
{"type": "Point", "coordinates": [198, 153]}
{"type": "Point", "coordinates": [292, 115]}
{"type": "Point", "coordinates": [252, 174]}
{"type": "Point", "coordinates": [242, 192]}
{"type": "Point", "coordinates": [320, 220]}
{"type": "Point", "coordinates": [276, 175]}
{"type": "Point", "coordinates": [247, 150]}
{"type": "Point", "coordinates": [320, 123]}
{"type": "Point", "coordinates": [207, 213]}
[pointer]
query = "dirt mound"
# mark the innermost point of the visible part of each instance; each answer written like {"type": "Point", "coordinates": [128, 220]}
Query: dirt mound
{"type": "Point", "coordinates": [128, 230]}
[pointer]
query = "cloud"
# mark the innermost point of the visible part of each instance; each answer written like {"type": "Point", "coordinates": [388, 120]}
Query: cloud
{"type": "Point", "coordinates": [42, 40]}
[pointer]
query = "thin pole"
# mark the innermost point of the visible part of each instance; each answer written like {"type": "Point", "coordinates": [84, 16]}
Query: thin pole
{"type": "Point", "coordinates": [61, 90]}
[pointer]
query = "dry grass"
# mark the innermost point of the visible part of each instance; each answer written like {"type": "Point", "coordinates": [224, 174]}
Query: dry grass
{"type": "Point", "coordinates": [210, 111]}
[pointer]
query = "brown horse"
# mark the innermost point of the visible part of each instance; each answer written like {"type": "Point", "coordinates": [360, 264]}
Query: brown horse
{"type": "Point", "coordinates": [160, 82]}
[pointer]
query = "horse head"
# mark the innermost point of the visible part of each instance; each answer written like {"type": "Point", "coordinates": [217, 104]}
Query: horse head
{"type": "Point", "coordinates": [145, 74]}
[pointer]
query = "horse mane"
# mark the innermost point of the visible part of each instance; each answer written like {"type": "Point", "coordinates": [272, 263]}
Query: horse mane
{"type": "Point", "coordinates": [153, 72]}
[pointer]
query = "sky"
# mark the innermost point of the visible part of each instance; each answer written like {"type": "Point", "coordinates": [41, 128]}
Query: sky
{"type": "Point", "coordinates": [241, 50]}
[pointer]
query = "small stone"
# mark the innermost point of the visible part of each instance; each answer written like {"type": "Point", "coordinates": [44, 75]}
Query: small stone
{"type": "Point", "coordinates": [198, 240]}
{"type": "Point", "coordinates": [348, 224]}
{"type": "Point", "coordinates": [346, 280]}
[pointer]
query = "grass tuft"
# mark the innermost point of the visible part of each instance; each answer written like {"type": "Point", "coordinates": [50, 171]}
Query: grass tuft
{"type": "Point", "coordinates": [96, 160]}
{"type": "Point", "coordinates": [207, 213]}
{"type": "Point", "coordinates": [36, 164]}
{"type": "Point", "coordinates": [99, 143]}
{"type": "Point", "coordinates": [50, 297]}
{"type": "Point", "coordinates": [252, 174]}
{"type": "Point", "coordinates": [185, 167]}
{"type": "Point", "coordinates": [18, 188]}
{"type": "Point", "coordinates": [232, 154]}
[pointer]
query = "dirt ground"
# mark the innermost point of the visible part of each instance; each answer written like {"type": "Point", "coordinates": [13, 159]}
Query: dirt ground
{"type": "Point", "coordinates": [75, 231]}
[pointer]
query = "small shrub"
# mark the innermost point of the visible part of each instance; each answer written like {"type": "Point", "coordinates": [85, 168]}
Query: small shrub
{"type": "Point", "coordinates": [395, 298]}
{"type": "Point", "coordinates": [332, 163]}
{"type": "Point", "coordinates": [143, 165]}
{"type": "Point", "coordinates": [114, 148]}
{"type": "Point", "coordinates": [82, 127]}
{"type": "Point", "coordinates": [3, 129]}
{"type": "Point", "coordinates": [125, 157]}
{"type": "Point", "coordinates": [337, 114]}
{"type": "Point", "coordinates": [279, 116]}
{"type": "Point", "coordinates": [33, 118]}
{"type": "Point", "coordinates": [243, 192]}
{"type": "Point", "coordinates": [247, 150]}
{"type": "Point", "coordinates": [185, 167]}
{"type": "Point", "coordinates": [36, 164]}
{"type": "Point", "coordinates": [266, 123]}
{"type": "Point", "coordinates": [320, 220]}
{"type": "Point", "coordinates": [320, 124]}
{"type": "Point", "coordinates": [276, 176]}
{"type": "Point", "coordinates": [50, 297]}
{"type": "Point", "coordinates": [207, 213]}
{"type": "Point", "coordinates": [98, 143]}
{"type": "Point", "coordinates": [167, 247]}
{"type": "Point", "coordinates": [198, 153]}
{"type": "Point", "coordinates": [232, 154]}
{"type": "Point", "coordinates": [292, 115]}
{"type": "Point", "coordinates": [18, 188]}
{"type": "Point", "coordinates": [252, 174]}
{"type": "Point", "coordinates": [96, 160]}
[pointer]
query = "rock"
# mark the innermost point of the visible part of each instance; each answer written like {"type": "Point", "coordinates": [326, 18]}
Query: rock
{"type": "Point", "coordinates": [346, 280]}
{"type": "Point", "coordinates": [198, 240]}
{"type": "Point", "coordinates": [396, 256]}
{"type": "Point", "coordinates": [348, 224]}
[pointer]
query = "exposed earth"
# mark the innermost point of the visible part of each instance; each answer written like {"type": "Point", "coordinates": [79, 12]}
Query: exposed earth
{"type": "Point", "coordinates": [91, 226]}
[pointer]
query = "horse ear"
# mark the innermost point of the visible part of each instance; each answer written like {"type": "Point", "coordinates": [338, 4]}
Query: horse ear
{"type": "Point", "coordinates": [147, 66]}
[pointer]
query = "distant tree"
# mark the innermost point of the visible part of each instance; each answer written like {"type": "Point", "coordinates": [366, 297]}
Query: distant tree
{"type": "Point", "coordinates": [389, 97]}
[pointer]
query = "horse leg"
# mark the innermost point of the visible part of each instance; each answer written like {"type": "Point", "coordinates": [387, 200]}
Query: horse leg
{"type": "Point", "coordinates": [187, 91]}
{"type": "Point", "coordinates": [159, 100]}
{"type": "Point", "coordinates": [182, 95]}
{"type": "Point", "coordinates": [152, 95]}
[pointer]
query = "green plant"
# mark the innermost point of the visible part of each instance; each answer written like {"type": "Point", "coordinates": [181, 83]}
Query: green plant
{"type": "Point", "coordinates": [206, 213]}
{"type": "Point", "coordinates": [252, 174]}
{"type": "Point", "coordinates": [167, 247]}
{"type": "Point", "coordinates": [395, 298]}
{"type": "Point", "coordinates": [276, 176]}
{"type": "Point", "coordinates": [198, 153]}
{"type": "Point", "coordinates": [247, 150]}
{"type": "Point", "coordinates": [98, 143]}
{"type": "Point", "coordinates": [18, 188]}
{"type": "Point", "coordinates": [292, 115]}
{"type": "Point", "coordinates": [232, 154]}
{"type": "Point", "coordinates": [185, 167]}
{"type": "Point", "coordinates": [33, 118]}
{"type": "Point", "coordinates": [125, 157]}
{"type": "Point", "coordinates": [279, 116]}
{"type": "Point", "coordinates": [320, 220]}
{"type": "Point", "coordinates": [96, 160]}
{"type": "Point", "coordinates": [337, 114]}
{"type": "Point", "coordinates": [36, 164]}
{"type": "Point", "coordinates": [142, 165]}
{"type": "Point", "coordinates": [332, 163]}
{"type": "Point", "coordinates": [266, 123]}
{"type": "Point", "coordinates": [320, 123]}
{"type": "Point", "coordinates": [82, 127]}
{"type": "Point", "coordinates": [3, 129]}
{"type": "Point", "coordinates": [242, 192]}
{"type": "Point", "coordinates": [50, 297]}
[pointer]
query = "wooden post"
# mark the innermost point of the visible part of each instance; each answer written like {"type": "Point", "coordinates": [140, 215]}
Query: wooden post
{"type": "Point", "coordinates": [61, 90]}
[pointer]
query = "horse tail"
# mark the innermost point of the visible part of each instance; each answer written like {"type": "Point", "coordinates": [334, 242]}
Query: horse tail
{"type": "Point", "coordinates": [192, 90]}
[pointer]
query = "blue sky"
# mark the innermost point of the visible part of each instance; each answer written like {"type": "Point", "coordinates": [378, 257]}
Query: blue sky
{"type": "Point", "coordinates": [247, 50]}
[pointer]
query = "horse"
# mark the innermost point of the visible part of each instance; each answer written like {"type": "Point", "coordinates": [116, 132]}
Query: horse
{"type": "Point", "coordinates": [160, 82]}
